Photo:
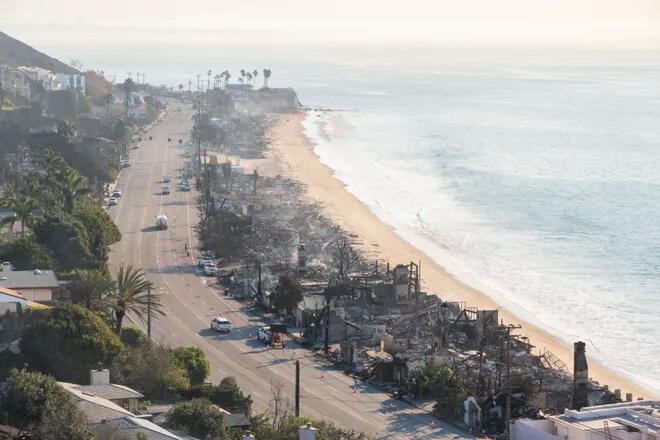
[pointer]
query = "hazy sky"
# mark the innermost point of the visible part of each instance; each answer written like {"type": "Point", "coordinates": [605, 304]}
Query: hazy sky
{"type": "Point", "coordinates": [473, 22]}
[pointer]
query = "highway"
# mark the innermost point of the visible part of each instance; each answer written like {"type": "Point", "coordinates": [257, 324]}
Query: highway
{"type": "Point", "coordinates": [191, 302]}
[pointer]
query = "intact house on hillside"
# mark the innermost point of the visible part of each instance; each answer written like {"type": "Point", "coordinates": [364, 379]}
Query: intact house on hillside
{"type": "Point", "coordinates": [112, 409]}
{"type": "Point", "coordinates": [107, 406]}
{"type": "Point", "coordinates": [36, 285]}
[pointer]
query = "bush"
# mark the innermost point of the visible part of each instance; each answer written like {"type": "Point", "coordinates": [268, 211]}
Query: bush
{"type": "Point", "coordinates": [199, 418]}
{"type": "Point", "coordinates": [195, 362]}
{"type": "Point", "coordinates": [226, 395]}
{"type": "Point", "coordinates": [67, 341]}
{"type": "Point", "coordinates": [288, 427]}
{"type": "Point", "coordinates": [133, 336]}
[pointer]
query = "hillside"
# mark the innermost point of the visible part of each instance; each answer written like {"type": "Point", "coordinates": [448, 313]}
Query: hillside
{"type": "Point", "coordinates": [16, 53]}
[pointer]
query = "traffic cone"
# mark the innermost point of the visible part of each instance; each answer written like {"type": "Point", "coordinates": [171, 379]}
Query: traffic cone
{"type": "Point", "coordinates": [433, 424]}
{"type": "Point", "coordinates": [322, 376]}
{"type": "Point", "coordinates": [355, 390]}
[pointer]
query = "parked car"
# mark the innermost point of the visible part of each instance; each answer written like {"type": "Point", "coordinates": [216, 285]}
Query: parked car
{"type": "Point", "coordinates": [210, 269]}
{"type": "Point", "coordinates": [184, 187]}
{"type": "Point", "coordinates": [125, 163]}
{"type": "Point", "coordinates": [165, 190]}
{"type": "Point", "coordinates": [220, 324]}
{"type": "Point", "coordinates": [116, 193]}
{"type": "Point", "coordinates": [112, 201]}
{"type": "Point", "coordinates": [167, 179]}
{"type": "Point", "coordinates": [263, 334]}
{"type": "Point", "coordinates": [205, 260]}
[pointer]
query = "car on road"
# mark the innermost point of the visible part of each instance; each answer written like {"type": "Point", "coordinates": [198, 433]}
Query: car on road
{"type": "Point", "coordinates": [167, 179]}
{"type": "Point", "coordinates": [205, 260]}
{"type": "Point", "coordinates": [125, 163]}
{"type": "Point", "coordinates": [165, 190]}
{"type": "Point", "coordinates": [116, 193]}
{"type": "Point", "coordinates": [220, 324]}
{"type": "Point", "coordinates": [263, 334]}
{"type": "Point", "coordinates": [112, 201]}
{"type": "Point", "coordinates": [210, 269]}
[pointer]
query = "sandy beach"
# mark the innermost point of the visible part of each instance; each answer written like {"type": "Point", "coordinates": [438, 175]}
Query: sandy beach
{"type": "Point", "coordinates": [294, 156]}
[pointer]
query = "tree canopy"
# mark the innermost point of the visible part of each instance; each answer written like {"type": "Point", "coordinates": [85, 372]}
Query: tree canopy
{"type": "Point", "coordinates": [151, 369]}
{"type": "Point", "coordinates": [38, 407]}
{"type": "Point", "coordinates": [67, 341]}
{"type": "Point", "coordinates": [288, 293]}
{"type": "Point", "coordinates": [194, 361]}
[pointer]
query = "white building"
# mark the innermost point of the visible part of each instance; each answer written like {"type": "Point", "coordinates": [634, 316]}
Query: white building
{"type": "Point", "coordinates": [619, 421]}
{"type": "Point", "coordinates": [66, 81]}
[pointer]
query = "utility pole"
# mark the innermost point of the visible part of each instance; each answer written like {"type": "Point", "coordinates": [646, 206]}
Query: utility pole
{"type": "Point", "coordinates": [149, 313]}
{"type": "Point", "coordinates": [326, 345]}
{"type": "Point", "coordinates": [297, 388]}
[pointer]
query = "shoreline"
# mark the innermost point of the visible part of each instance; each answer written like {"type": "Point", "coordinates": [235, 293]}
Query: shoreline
{"type": "Point", "coordinates": [294, 156]}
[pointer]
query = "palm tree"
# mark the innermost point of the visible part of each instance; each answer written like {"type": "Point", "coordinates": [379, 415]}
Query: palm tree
{"type": "Point", "coordinates": [216, 81]}
{"type": "Point", "coordinates": [23, 211]}
{"type": "Point", "coordinates": [72, 185]}
{"type": "Point", "coordinates": [208, 83]}
{"type": "Point", "coordinates": [255, 73]}
{"type": "Point", "coordinates": [128, 87]}
{"type": "Point", "coordinates": [107, 99]}
{"type": "Point", "coordinates": [132, 294]}
{"type": "Point", "coordinates": [88, 287]}
{"type": "Point", "coordinates": [65, 129]}
{"type": "Point", "coordinates": [227, 76]}
{"type": "Point", "coordinates": [267, 73]}
{"type": "Point", "coordinates": [242, 72]}
{"type": "Point", "coordinates": [249, 77]}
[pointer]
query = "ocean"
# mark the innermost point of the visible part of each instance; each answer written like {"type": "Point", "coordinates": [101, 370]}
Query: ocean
{"type": "Point", "coordinates": [532, 175]}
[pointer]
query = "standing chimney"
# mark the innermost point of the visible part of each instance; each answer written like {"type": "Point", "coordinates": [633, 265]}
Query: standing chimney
{"type": "Point", "coordinates": [307, 432]}
{"type": "Point", "coordinates": [100, 376]}
{"type": "Point", "coordinates": [580, 376]}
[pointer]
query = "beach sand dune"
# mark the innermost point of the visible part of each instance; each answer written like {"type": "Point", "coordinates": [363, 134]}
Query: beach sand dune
{"type": "Point", "coordinates": [294, 156]}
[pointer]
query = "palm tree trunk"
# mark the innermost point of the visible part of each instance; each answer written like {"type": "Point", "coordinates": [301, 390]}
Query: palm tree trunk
{"type": "Point", "coordinates": [22, 228]}
{"type": "Point", "coordinates": [119, 318]}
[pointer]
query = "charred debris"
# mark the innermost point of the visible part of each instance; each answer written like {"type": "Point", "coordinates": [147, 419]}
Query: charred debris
{"type": "Point", "coordinates": [369, 316]}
